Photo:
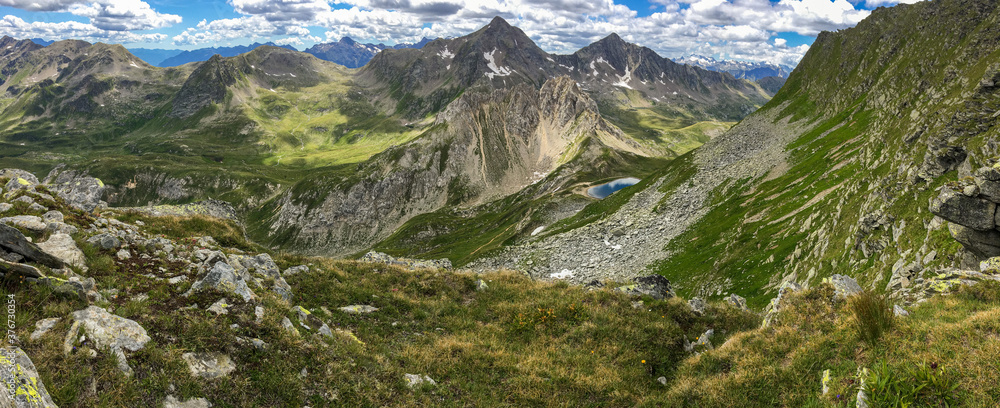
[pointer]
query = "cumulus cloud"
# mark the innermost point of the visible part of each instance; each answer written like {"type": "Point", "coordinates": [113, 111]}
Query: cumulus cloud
{"type": "Point", "coordinates": [40, 5]}
{"type": "Point", "coordinates": [18, 28]}
{"type": "Point", "coordinates": [124, 15]}
{"type": "Point", "coordinates": [879, 3]}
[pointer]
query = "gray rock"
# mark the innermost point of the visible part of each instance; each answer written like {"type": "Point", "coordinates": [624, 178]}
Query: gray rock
{"type": "Point", "coordinates": [481, 285]}
{"type": "Point", "coordinates": [19, 270]}
{"type": "Point", "coordinates": [983, 244]}
{"type": "Point", "coordinates": [77, 188]}
{"type": "Point", "coordinates": [29, 391]}
{"type": "Point", "coordinates": [258, 344]}
{"type": "Point", "coordinates": [104, 241]}
{"type": "Point", "coordinates": [209, 365]}
{"type": "Point", "coordinates": [220, 307]}
{"type": "Point", "coordinates": [259, 269]}
{"type": "Point", "coordinates": [359, 309]}
{"type": "Point", "coordinates": [295, 270]}
{"type": "Point", "coordinates": [703, 342]}
{"type": "Point", "coordinates": [61, 227]}
{"type": "Point", "coordinates": [258, 312]}
{"type": "Point", "coordinates": [989, 189]}
{"type": "Point", "coordinates": [415, 380]}
{"type": "Point", "coordinates": [111, 332]}
{"type": "Point", "coordinates": [379, 257]}
{"type": "Point", "coordinates": [697, 306]}
{"type": "Point", "coordinates": [14, 174]}
{"type": "Point", "coordinates": [172, 402]}
{"type": "Point", "coordinates": [53, 216]}
{"type": "Point", "coordinates": [64, 248]}
{"type": "Point", "coordinates": [662, 380]}
{"type": "Point", "coordinates": [899, 311]}
{"type": "Point", "coordinates": [124, 254]}
{"type": "Point", "coordinates": [14, 241]}
{"type": "Point", "coordinates": [29, 222]}
{"type": "Point", "coordinates": [43, 326]}
{"type": "Point", "coordinates": [18, 181]}
{"type": "Point", "coordinates": [287, 325]}
{"type": "Point", "coordinates": [25, 199]}
{"type": "Point", "coordinates": [35, 207]}
{"type": "Point", "coordinates": [223, 278]}
{"type": "Point", "coordinates": [737, 301]}
{"type": "Point", "coordinates": [4, 207]}
{"type": "Point", "coordinates": [655, 286]}
{"type": "Point", "coordinates": [844, 286]}
{"type": "Point", "coordinates": [325, 330]}
{"type": "Point", "coordinates": [974, 213]}
{"type": "Point", "coordinates": [772, 308]}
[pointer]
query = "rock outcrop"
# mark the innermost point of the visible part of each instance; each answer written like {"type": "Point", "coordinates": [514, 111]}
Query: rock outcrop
{"type": "Point", "coordinates": [29, 391]}
{"type": "Point", "coordinates": [971, 207]}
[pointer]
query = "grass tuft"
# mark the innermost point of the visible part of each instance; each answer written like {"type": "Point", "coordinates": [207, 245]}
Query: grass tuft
{"type": "Point", "coordinates": [872, 316]}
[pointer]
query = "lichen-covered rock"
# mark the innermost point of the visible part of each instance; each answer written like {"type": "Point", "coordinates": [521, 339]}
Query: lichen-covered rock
{"type": "Point", "coordinates": [105, 241]}
{"type": "Point", "coordinates": [772, 308]}
{"type": "Point", "coordinates": [359, 309]}
{"type": "Point", "coordinates": [655, 286]}
{"type": "Point", "coordinates": [29, 222]}
{"type": "Point", "coordinates": [63, 247]}
{"type": "Point", "coordinates": [224, 278]}
{"type": "Point", "coordinates": [295, 270]}
{"type": "Point", "coordinates": [737, 301]}
{"type": "Point", "coordinates": [18, 180]}
{"type": "Point", "coordinates": [983, 244]}
{"type": "Point", "coordinates": [209, 365]}
{"type": "Point", "coordinates": [43, 326]}
{"type": "Point", "coordinates": [415, 380]}
{"type": "Point", "coordinates": [77, 188]}
{"type": "Point", "coordinates": [971, 212]}
{"type": "Point", "coordinates": [14, 241]}
{"type": "Point", "coordinates": [115, 333]}
{"type": "Point", "coordinates": [29, 391]}
{"type": "Point", "coordinates": [260, 269]}
{"type": "Point", "coordinates": [991, 265]}
{"type": "Point", "coordinates": [481, 285]}
{"type": "Point", "coordinates": [697, 305]}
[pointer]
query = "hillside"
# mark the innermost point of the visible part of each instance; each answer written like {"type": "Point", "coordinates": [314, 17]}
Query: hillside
{"type": "Point", "coordinates": [353, 54]}
{"type": "Point", "coordinates": [834, 175]}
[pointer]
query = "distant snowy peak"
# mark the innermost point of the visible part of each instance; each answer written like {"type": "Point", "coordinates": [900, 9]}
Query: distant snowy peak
{"type": "Point", "coordinates": [739, 69]}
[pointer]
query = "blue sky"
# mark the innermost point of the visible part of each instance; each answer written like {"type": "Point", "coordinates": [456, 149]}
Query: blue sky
{"type": "Point", "coordinates": [777, 31]}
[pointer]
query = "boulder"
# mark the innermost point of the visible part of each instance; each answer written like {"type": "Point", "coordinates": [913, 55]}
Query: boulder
{"type": "Point", "coordinates": [43, 326]}
{"type": "Point", "coordinates": [971, 212]}
{"type": "Point", "coordinates": [15, 269]}
{"type": "Point", "coordinates": [77, 188]}
{"type": "Point", "coordinates": [287, 325]}
{"type": "Point", "coordinates": [53, 216]}
{"type": "Point", "coordinates": [655, 286]}
{"type": "Point", "coordinates": [223, 278]}
{"type": "Point", "coordinates": [14, 174]}
{"type": "Point", "coordinates": [112, 332]}
{"type": "Point", "coordinates": [697, 306]}
{"type": "Point", "coordinates": [259, 269]}
{"type": "Point", "coordinates": [29, 390]}
{"type": "Point", "coordinates": [481, 285]}
{"type": "Point", "coordinates": [105, 241]}
{"type": "Point", "coordinates": [14, 241]}
{"type": "Point", "coordinates": [983, 244]}
{"type": "Point", "coordinates": [772, 308]}
{"type": "Point", "coordinates": [209, 365]}
{"type": "Point", "coordinates": [64, 248]}
{"type": "Point", "coordinates": [737, 301]}
{"type": "Point", "coordinates": [991, 265]}
{"type": "Point", "coordinates": [989, 189]}
{"type": "Point", "coordinates": [28, 222]}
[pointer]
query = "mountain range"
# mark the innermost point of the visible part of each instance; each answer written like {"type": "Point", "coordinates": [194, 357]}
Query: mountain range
{"type": "Point", "coordinates": [740, 69]}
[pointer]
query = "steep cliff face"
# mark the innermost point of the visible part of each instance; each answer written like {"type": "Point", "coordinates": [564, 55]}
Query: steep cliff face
{"type": "Point", "coordinates": [486, 145]}
{"type": "Point", "coordinates": [834, 175]}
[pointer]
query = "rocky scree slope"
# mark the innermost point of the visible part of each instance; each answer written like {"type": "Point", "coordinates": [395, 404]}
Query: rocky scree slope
{"type": "Point", "coordinates": [836, 172]}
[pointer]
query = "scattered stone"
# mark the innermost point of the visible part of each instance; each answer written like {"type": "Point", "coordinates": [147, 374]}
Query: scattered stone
{"type": "Point", "coordinates": [43, 326]}
{"type": "Point", "coordinates": [63, 247]}
{"type": "Point", "coordinates": [295, 270]}
{"type": "Point", "coordinates": [4, 207]}
{"type": "Point", "coordinates": [124, 254]}
{"type": "Point", "coordinates": [172, 402]}
{"type": "Point", "coordinates": [28, 222]}
{"type": "Point", "coordinates": [697, 306]}
{"type": "Point", "coordinates": [737, 301]}
{"type": "Point", "coordinates": [177, 279]}
{"type": "Point", "coordinates": [258, 344]}
{"type": "Point", "coordinates": [25, 199]}
{"type": "Point", "coordinates": [259, 269]}
{"type": "Point", "coordinates": [481, 285]}
{"type": "Point", "coordinates": [53, 216]}
{"type": "Point", "coordinates": [844, 286]}
{"type": "Point", "coordinates": [662, 380]}
{"type": "Point", "coordinates": [415, 380]}
{"type": "Point", "coordinates": [209, 365]}
{"type": "Point", "coordinates": [104, 241]}
{"type": "Point", "coordinates": [379, 257]}
{"type": "Point", "coordinates": [220, 307]}
{"type": "Point", "coordinates": [655, 286]}
{"type": "Point", "coordinates": [594, 284]}
{"type": "Point", "coordinates": [14, 241]}
{"type": "Point", "coordinates": [325, 330]}
{"type": "Point", "coordinates": [359, 309]}
{"type": "Point", "coordinates": [637, 304]}
{"type": "Point", "coordinates": [826, 381]}
{"type": "Point", "coordinates": [772, 308]}
{"type": "Point", "coordinates": [224, 278]}
{"type": "Point", "coordinates": [35, 207]}
{"type": "Point", "coordinates": [899, 311]}
{"type": "Point", "coordinates": [287, 325]}
{"type": "Point", "coordinates": [29, 390]}
{"type": "Point", "coordinates": [112, 332]}
{"type": "Point", "coordinates": [703, 342]}
{"type": "Point", "coordinates": [259, 313]}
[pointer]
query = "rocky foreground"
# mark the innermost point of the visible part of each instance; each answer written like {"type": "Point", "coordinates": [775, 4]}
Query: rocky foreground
{"type": "Point", "coordinates": [137, 301]}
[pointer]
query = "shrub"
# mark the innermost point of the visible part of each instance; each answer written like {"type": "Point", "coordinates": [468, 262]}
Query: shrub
{"type": "Point", "coordinates": [872, 315]}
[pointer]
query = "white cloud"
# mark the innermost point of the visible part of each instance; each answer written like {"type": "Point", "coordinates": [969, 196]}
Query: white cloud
{"type": "Point", "coordinates": [124, 15]}
{"type": "Point", "coordinates": [40, 5]}
{"type": "Point", "coordinates": [18, 28]}
{"type": "Point", "coordinates": [879, 3]}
